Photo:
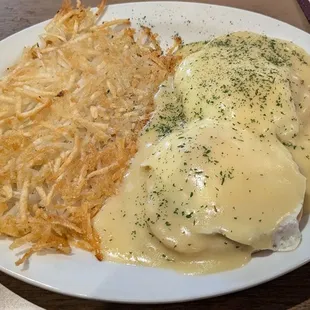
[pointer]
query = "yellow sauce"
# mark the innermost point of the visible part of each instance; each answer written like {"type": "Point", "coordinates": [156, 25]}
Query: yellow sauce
{"type": "Point", "coordinates": [214, 180]}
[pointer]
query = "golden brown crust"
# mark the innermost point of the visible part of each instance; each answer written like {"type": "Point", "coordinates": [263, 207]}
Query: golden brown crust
{"type": "Point", "coordinates": [71, 110]}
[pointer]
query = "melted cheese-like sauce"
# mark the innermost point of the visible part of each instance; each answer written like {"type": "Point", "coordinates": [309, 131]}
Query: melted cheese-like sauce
{"type": "Point", "coordinates": [216, 175]}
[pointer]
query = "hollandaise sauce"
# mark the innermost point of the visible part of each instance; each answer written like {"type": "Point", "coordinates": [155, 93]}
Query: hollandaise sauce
{"type": "Point", "coordinates": [222, 166]}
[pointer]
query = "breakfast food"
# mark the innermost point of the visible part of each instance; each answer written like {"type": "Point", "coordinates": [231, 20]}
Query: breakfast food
{"type": "Point", "coordinates": [222, 167]}
{"type": "Point", "coordinates": [71, 110]}
{"type": "Point", "coordinates": [216, 170]}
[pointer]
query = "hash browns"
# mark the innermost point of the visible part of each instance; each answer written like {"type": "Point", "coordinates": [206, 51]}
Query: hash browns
{"type": "Point", "coordinates": [71, 110]}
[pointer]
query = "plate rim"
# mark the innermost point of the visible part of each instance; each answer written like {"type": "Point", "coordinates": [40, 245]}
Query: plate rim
{"type": "Point", "coordinates": [48, 288]}
{"type": "Point", "coordinates": [162, 2]}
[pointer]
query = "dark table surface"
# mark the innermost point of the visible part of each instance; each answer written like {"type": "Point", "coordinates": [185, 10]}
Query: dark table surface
{"type": "Point", "coordinates": [291, 290]}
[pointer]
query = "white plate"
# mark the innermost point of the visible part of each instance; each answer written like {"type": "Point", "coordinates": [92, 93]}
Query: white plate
{"type": "Point", "coordinates": [81, 275]}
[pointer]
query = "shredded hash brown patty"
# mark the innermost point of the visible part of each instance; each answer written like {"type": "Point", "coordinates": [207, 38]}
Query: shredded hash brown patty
{"type": "Point", "coordinates": [71, 110]}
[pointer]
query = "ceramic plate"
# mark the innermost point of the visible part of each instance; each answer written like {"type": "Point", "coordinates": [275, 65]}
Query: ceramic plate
{"type": "Point", "coordinates": [81, 274]}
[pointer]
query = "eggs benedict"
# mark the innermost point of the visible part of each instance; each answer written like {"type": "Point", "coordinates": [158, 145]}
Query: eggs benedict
{"type": "Point", "coordinates": [222, 168]}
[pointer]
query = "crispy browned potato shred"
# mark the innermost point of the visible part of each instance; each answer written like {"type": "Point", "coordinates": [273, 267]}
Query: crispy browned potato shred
{"type": "Point", "coordinates": [71, 110]}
